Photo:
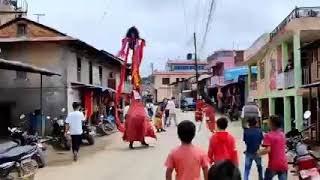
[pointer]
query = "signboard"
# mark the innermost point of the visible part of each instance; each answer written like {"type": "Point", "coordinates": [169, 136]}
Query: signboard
{"type": "Point", "coordinates": [233, 74]}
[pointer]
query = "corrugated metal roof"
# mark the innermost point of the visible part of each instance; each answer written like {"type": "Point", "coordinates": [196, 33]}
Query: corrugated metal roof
{"type": "Point", "coordinates": [19, 66]}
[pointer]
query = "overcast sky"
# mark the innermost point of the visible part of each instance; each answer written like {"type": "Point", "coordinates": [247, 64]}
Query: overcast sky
{"type": "Point", "coordinates": [167, 25]}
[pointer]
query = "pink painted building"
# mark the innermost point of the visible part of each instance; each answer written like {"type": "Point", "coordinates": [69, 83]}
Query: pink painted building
{"type": "Point", "coordinates": [220, 60]}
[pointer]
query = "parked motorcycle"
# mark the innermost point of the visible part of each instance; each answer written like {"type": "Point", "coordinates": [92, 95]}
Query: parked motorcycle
{"type": "Point", "coordinates": [22, 139]}
{"type": "Point", "coordinates": [58, 132]}
{"type": "Point", "coordinates": [305, 163]}
{"type": "Point", "coordinates": [104, 127]}
{"type": "Point", "coordinates": [87, 133]}
{"type": "Point", "coordinates": [17, 163]}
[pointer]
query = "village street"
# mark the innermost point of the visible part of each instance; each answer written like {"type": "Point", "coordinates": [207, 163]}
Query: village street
{"type": "Point", "coordinates": [111, 158]}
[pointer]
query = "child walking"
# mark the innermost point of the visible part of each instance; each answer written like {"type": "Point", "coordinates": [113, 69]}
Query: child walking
{"type": "Point", "coordinates": [158, 120]}
{"type": "Point", "coordinates": [274, 144]}
{"type": "Point", "coordinates": [253, 138]}
{"type": "Point", "coordinates": [222, 144]}
{"type": "Point", "coordinates": [187, 160]}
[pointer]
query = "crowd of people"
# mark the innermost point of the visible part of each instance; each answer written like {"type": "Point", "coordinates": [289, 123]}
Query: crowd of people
{"type": "Point", "coordinates": [187, 160]}
{"type": "Point", "coordinates": [221, 160]}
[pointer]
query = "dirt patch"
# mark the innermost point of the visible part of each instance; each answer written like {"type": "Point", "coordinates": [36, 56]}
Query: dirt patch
{"type": "Point", "coordinates": [62, 158]}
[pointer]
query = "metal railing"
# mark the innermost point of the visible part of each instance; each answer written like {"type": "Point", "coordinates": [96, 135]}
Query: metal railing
{"type": "Point", "coordinates": [289, 79]}
{"type": "Point", "coordinates": [306, 78]}
{"type": "Point", "coordinates": [296, 13]}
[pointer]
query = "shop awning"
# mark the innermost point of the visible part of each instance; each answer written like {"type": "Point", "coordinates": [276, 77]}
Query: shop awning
{"type": "Point", "coordinates": [233, 74]}
{"type": "Point", "coordinates": [90, 86]}
{"type": "Point", "coordinates": [19, 66]}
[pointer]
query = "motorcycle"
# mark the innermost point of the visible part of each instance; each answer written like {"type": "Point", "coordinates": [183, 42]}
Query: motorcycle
{"type": "Point", "coordinates": [21, 138]}
{"type": "Point", "coordinates": [17, 163]}
{"type": "Point", "coordinates": [87, 133]}
{"type": "Point", "coordinates": [58, 132]}
{"type": "Point", "coordinates": [103, 127]}
{"type": "Point", "coordinates": [305, 163]}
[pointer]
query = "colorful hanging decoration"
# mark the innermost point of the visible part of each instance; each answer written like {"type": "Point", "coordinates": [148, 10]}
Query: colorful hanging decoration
{"type": "Point", "coordinates": [137, 120]}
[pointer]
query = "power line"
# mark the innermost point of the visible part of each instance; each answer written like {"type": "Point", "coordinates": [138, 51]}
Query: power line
{"type": "Point", "coordinates": [209, 20]}
{"type": "Point", "coordinates": [185, 17]}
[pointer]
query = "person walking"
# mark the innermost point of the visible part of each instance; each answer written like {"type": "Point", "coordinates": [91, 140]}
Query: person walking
{"type": "Point", "coordinates": [187, 160]}
{"type": "Point", "coordinates": [210, 115]}
{"type": "Point", "coordinates": [165, 112]}
{"type": "Point", "coordinates": [250, 110]}
{"type": "Point", "coordinates": [74, 125]}
{"type": "Point", "coordinates": [222, 144]}
{"type": "Point", "coordinates": [171, 108]}
{"type": "Point", "coordinates": [150, 108]}
{"type": "Point", "coordinates": [253, 138]}
{"type": "Point", "coordinates": [111, 113]}
{"type": "Point", "coordinates": [274, 144]}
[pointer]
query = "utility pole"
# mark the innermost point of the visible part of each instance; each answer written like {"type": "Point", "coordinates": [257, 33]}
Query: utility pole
{"type": "Point", "coordinates": [38, 16]}
{"type": "Point", "coordinates": [152, 68]}
{"type": "Point", "coordinates": [196, 63]}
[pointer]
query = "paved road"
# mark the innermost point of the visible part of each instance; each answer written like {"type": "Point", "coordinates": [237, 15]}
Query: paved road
{"type": "Point", "coordinates": [111, 158]}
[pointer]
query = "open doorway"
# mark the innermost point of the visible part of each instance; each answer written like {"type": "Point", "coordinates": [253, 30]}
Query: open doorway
{"type": "Point", "coordinates": [5, 119]}
{"type": "Point", "coordinates": [279, 110]}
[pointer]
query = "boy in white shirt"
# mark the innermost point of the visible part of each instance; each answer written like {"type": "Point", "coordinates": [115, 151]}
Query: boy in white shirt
{"type": "Point", "coordinates": [74, 125]}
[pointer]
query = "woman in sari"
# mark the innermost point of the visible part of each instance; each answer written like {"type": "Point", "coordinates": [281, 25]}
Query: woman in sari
{"type": "Point", "coordinates": [158, 120]}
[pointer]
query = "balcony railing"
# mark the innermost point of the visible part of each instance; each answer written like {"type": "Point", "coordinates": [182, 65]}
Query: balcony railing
{"type": "Point", "coordinates": [296, 13]}
{"type": "Point", "coordinates": [306, 77]}
{"type": "Point", "coordinates": [289, 79]}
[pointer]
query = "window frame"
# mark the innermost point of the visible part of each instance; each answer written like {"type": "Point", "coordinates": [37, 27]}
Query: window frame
{"type": "Point", "coordinates": [167, 82]}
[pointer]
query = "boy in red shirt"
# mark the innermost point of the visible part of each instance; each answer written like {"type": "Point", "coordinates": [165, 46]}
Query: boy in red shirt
{"type": "Point", "coordinates": [222, 144]}
{"type": "Point", "coordinates": [187, 160]}
{"type": "Point", "coordinates": [274, 144]}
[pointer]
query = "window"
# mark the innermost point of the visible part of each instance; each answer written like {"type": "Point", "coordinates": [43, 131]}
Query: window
{"type": "Point", "coordinates": [177, 79]}
{"type": "Point", "coordinates": [79, 69]}
{"type": "Point", "coordinates": [90, 73]}
{"type": "Point", "coordinates": [21, 75]}
{"type": "Point", "coordinates": [21, 30]}
{"type": "Point", "coordinates": [100, 74]}
{"type": "Point", "coordinates": [165, 81]}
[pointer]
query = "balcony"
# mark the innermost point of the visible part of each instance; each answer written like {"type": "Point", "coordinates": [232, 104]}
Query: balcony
{"type": "Point", "coordinates": [310, 74]}
{"type": "Point", "coordinates": [289, 79]}
{"type": "Point", "coordinates": [296, 13]}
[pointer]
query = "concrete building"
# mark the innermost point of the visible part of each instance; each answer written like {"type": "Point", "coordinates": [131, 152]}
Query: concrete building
{"type": "Point", "coordinates": [281, 67]}
{"type": "Point", "coordinates": [86, 71]}
{"type": "Point", "coordinates": [176, 70]}
{"type": "Point", "coordinates": [11, 9]}
{"type": "Point", "coordinates": [221, 60]}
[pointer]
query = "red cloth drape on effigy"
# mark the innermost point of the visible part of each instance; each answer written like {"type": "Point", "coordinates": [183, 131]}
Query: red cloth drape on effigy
{"type": "Point", "coordinates": [137, 124]}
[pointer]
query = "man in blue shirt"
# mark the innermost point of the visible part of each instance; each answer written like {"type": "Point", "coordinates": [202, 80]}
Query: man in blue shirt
{"type": "Point", "coordinates": [253, 138]}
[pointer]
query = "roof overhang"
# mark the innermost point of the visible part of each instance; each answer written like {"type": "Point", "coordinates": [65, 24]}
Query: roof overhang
{"type": "Point", "coordinates": [19, 66]}
{"type": "Point", "coordinates": [91, 86]}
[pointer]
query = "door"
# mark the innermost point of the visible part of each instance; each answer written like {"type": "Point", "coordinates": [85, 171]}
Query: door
{"type": "Point", "coordinates": [5, 120]}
